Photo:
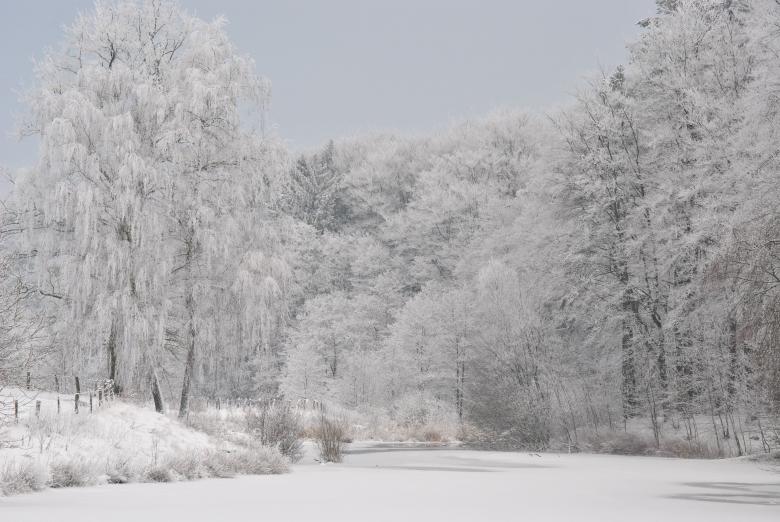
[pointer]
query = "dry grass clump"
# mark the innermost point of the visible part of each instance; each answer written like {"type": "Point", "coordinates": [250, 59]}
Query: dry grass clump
{"type": "Point", "coordinates": [194, 465]}
{"type": "Point", "coordinates": [188, 465]}
{"type": "Point", "coordinates": [158, 473]}
{"type": "Point", "coordinates": [74, 472]}
{"type": "Point", "coordinates": [423, 418]}
{"type": "Point", "coordinates": [123, 469]}
{"type": "Point", "coordinates": [687, 449]}
{"type": "Point", "coordinates": [278, 426]}
{"type": "Point", "coordinates": [433, 435]}
{"type": "Point", "coordinates": [23, 477]}
{"type": "Point", "coordinates": [330, 435]}
{"type": "Point", "coordinates": [629, 443]}
{"type": "Point", "coordinates": [229, 425]}
{"type": "Point", "coordinates": [259, 460]}
{"type": "Point", "coordinates": [772, 458]}
{"type": "Point", "coordinates": [616, 443]}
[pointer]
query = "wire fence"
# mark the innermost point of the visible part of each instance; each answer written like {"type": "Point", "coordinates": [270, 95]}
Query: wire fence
{"type": "Point", "coordinates": [220, 403]}
{"type": "Point", "coordinates": [32, 396]}
{"type": "Point", "coordinates": [52, 382]}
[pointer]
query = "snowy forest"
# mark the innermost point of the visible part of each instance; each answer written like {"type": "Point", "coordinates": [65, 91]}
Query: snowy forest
{"type": "Point", "coordinates": [521, 280]}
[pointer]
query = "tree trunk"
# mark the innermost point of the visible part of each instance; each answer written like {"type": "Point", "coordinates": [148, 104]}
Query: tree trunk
{"type": "Point", "coordinates": [461, 385]}
{"type": "Point", "coordinates": [628, 371]}
{"type": "Point", "coordinates": [460, 370]}
{"type": "Point", "coordinates": [189, 368]}
{"type": "Point", "coordinates": [112, 366]}
{"type": "Point", "coordinates": [159, 406]}
{"type": "Point", "coordinates": [733, 369]}
{"type": "Point", "coordinates": [189, 364]}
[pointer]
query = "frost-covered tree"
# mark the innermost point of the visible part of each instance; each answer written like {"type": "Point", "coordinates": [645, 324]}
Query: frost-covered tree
{"type": "Point", "coordinates": [25, 340]}
{"type": "Point", "coordinates": [512, 369]}
{"type": "Point", "coordinates": [430, 347]}
{"type": "Point", "coordinates": [145, 168]}
{"type": "Point", "coordinates": [312, 193]}
{"type": "Point", "coordinates": [343, 336]}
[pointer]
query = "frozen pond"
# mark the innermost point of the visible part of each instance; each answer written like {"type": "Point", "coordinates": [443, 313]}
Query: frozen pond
{"type": "Point", "coordinates": [400, 484]}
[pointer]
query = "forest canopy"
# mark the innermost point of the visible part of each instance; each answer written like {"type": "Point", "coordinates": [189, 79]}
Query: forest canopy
{"type": "Point", "coordinates": [522, 276]}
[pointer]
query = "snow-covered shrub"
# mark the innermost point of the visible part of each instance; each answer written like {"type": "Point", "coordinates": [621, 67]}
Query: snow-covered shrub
{"type": "Point", "coordinates": [226, 424]}
{"type": "Point", "coordinates": [506, 418]}
{"type": "Point", "coordinates": [123, 469]}
{"type": "Point", "coordinates": [219, 464]}
{"type": "Point", "coordinates": [194, 465]}
{"type": "Point", "coordinates": [375, 424]}
{"type": "Point", "coordinates": [158, 473]}
{"type": "Point", "coordinates": [278, 426]}
{"type": "Point", "coordinates": [24, 476]}
{"type": "Point", "coordinates": [411, 410]}
{"type": "Point", "coordinates": [422, 417]}
{"type": "Point", "coordinates": [259, 460]}
{"type": "Point", "coordinates": [330, 434]}
{"type": "Point", "coordinates": [616, 443]}
{"type": "Point", "coordinates": [687, 449]}
{"type": "Point", "coordinates": [74, 472]}
{"type": "Point", "coordinates": [432, 435]}
{"type": "Point", "coordinates": [188, 465]}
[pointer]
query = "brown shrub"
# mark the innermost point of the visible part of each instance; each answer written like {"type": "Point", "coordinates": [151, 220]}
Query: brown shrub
{"type": "Point", "coordinates": [685, 449]}
{"type": "Point", "coordinates": [277, 426]}
{"type": "Point", "coordinates": [330, 434]}
{"type": "Point", "coordinates": [617, 443]}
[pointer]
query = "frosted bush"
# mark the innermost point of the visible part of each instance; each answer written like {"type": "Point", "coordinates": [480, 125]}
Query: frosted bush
{"type": "Point", "coordinates": [73, 472]}
{"type": "Point", "coordinates": [278, 426]}
{"type": "Point", "coordinates": [25, 476]}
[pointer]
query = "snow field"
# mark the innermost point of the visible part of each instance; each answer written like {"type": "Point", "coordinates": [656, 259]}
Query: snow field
{"type": "Point", "coordinates": [391, 483]}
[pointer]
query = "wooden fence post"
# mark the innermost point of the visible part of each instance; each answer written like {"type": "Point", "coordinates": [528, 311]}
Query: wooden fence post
{"type": "Point", "coordinates": [58, 404]}
{"type": "Point", "coordinates": [29, 380]}
{"type": "Point", "coordinates": [16, 411]}
{"type": "Point", "coordinates": [37, 409]}
{"type": "Point", "coordinates": [90, 402]}
{"type": "Point", "coordinates": [76, 399]}
{"type": "Point", "coordinates": [56, 383]}
{"type": "Point", "coordinates": [100, 398]}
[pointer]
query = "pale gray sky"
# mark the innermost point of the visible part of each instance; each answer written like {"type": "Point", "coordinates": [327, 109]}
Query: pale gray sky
{"type": "Point", "coordinates": [339, 67]}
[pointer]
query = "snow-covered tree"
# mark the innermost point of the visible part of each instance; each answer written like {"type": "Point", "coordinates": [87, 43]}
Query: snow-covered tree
{"type": "Point", "coordinates": [135, 203]}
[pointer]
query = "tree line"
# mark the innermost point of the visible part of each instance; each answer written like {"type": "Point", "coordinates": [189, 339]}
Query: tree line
{"type": "Point", "coordinates": [528, 275]}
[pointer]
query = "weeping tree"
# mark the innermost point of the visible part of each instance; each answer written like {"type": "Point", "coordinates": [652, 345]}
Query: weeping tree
{"type": "Point", "coordinates": [134, 204]}
{"type": "Point", "coordinates": [24, 339]}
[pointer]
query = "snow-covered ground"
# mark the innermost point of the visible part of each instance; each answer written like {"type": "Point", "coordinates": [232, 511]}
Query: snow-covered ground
{"type": "Point", "coordinates": [116, 429]}
{"type": "Point", "coordinates": [403, 483]}
{"type": "Point", "coordinates": [119, 442]}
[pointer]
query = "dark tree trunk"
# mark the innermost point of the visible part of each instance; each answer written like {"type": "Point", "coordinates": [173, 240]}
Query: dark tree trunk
{"type": "Point", "coordinates": [112, 356]}
{"type": "Point", "coordinates": [189, 368]}
{"type": "Point", "coordinates": [189, 364]}
{"type": "Point", "coordinates": [159, 406]}
{"type": "Point", "coordinates": [628, 371]}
